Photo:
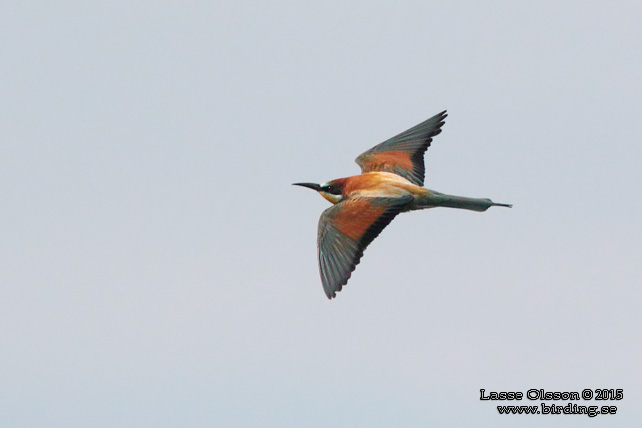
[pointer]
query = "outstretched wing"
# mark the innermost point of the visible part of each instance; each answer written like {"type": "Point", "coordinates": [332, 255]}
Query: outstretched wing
{"type": "Point", "coordinates": [345, 230]}
{"type": "Point", "coordinates": [404, 154]}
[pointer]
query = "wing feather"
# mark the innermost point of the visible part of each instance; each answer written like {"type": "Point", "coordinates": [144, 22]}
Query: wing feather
{"type": "Point", "coordinates": [403, 154]}
{"type": "Point", "coordinates": [345, 230]}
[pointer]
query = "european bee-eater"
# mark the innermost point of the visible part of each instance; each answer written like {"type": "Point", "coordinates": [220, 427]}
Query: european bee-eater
{"type": "Point", "coordinates": [391, 182]}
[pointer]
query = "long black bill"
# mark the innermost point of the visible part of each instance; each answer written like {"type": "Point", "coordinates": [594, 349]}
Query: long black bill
{"type": "Point", "coordinates": [312, 186]}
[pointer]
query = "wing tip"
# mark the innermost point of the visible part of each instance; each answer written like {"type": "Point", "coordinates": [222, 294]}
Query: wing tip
{"type": "Point", "coordinates": [331, 290]}
{"type": "Point", "coordinates": [330, 295]}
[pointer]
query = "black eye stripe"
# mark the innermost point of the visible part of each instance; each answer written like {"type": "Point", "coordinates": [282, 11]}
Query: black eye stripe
{"type": "Point", "coordinates": [331, 189]}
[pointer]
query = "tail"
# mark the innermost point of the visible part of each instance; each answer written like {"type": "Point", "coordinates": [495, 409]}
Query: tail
{"type": "Point", "coordinates": [497, 204]}
{"type": "Point", "coordinates": [436, 199]}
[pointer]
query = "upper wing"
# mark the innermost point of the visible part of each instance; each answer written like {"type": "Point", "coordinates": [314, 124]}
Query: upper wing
{"type": "Point", "coordinates": [404, 154]}
{"type": "Point", "coordinates": [345, 230]}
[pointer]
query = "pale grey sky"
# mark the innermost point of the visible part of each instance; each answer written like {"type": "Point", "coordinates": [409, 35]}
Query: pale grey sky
{"type": "Point", "coordinates": [157, 269]}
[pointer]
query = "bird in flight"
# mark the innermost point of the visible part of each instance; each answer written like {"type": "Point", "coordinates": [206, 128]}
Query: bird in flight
{"type": "Point", "coordinates": [391, 182]}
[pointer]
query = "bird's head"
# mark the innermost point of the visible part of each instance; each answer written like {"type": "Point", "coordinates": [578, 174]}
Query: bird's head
{"type": "Point", "coordinates": [332, 190]}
